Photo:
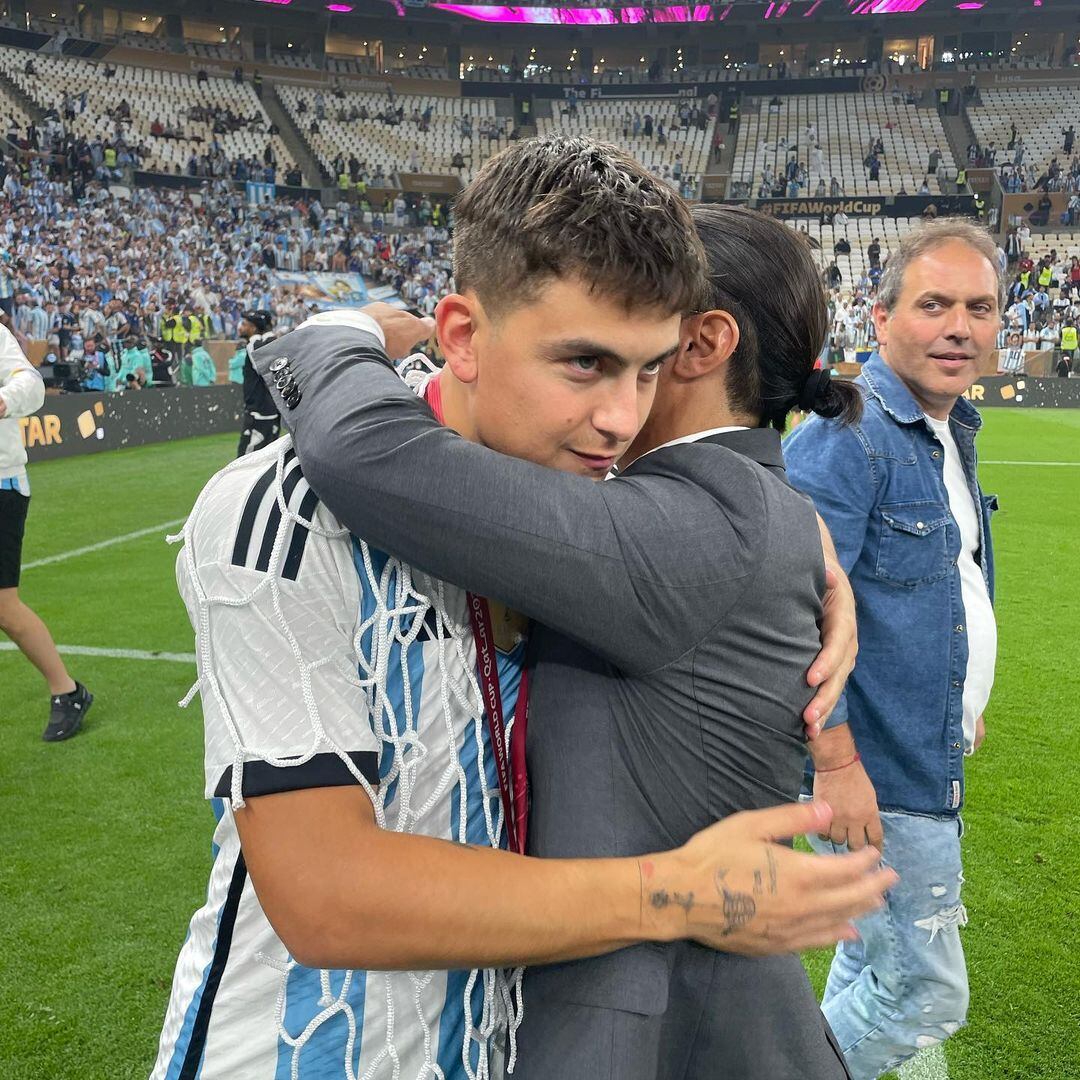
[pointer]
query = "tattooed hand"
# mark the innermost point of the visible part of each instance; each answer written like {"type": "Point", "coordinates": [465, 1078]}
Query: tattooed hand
{"type": "Point", "coordinates": [734, 887]}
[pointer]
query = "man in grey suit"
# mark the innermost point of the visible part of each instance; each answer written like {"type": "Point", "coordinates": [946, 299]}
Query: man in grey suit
{"type": "Point", "coordinates": [686, 597]}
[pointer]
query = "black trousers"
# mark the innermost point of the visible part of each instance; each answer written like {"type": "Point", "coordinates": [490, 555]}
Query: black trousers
{"type": "Point", "coordinates": [13, 508]}
{"type": "Point", "coordinates": [259, 431]}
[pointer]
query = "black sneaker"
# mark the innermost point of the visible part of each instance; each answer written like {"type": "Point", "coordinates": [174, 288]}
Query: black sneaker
{"type": "Point", "coordinates": [67, 712]}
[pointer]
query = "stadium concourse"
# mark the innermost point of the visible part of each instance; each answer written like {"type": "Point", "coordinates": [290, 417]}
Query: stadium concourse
{"type": "Point", "coordinates": [171, 181]}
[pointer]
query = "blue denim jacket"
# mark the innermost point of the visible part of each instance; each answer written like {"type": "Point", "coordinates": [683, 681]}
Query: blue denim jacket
{"type": "Point", "coordinates": [880, 487]}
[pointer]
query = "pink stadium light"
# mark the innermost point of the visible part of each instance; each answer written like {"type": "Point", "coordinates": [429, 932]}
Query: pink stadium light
{"type": "Point", "coordinates": [280, 3]}
{"type": "Point", "coordinates": [971, 5]}
{"type": "Point", "coordinates": [813, 7]}
{"type": "Point", "coordinates": [341, 8]}
{"type": "Point", "coordinates": [578, 16]}
{"type": "Point", "coordinates": [884, 7]}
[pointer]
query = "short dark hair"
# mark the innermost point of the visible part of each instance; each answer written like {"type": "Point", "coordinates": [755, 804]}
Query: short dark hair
{"type": "Point", "coordinates": [549, 207]}
{"type": "Point", "coordinates": [764, 276]}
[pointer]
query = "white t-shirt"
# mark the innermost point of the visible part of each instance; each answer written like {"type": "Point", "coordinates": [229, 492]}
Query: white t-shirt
{"type": "Point", "coordinates": [978, 611]}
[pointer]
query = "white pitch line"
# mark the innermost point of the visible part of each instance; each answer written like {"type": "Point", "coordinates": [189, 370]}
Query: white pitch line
{"type": "Point", "coordinates": [113, 654]}
{"type": "Point", "coordinates": [101, 545]}
{"type": "Point", "coordinates": [1072, 464]}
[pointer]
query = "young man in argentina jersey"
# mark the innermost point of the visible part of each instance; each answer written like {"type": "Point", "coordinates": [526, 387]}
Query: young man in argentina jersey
{"type": "Point", "coordinates": [343, 686]}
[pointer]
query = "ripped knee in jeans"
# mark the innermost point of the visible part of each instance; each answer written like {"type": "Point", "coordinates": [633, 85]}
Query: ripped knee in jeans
{"type": "Point", "coordinates": [946, 919]}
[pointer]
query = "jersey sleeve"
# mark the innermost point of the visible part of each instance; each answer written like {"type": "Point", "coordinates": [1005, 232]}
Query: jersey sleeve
{"type": "Point", "coordinates": [270, 586]}
{"type": "Point", "coordinates": [21, 385]}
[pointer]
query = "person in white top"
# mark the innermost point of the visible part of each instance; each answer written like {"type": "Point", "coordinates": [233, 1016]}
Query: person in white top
{"type": "Point", "coordinates": [22, 392]}
{"type": "Point", "coordinates": [1011, 360]}
{"type": "Point", "coordinates": [981, 624]}
{"type": "Point", "coordinates": [1049, 335]}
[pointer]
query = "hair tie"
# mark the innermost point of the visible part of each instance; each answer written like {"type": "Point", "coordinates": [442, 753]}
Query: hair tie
{"type": "Point", "coordinates": [814, 389]}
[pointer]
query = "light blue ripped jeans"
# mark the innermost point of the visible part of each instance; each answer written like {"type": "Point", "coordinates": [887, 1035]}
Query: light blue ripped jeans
{"type": "Point", "coordinates": [903, 986]}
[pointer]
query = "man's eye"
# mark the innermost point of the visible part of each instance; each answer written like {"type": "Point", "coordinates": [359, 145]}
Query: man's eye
{"type": "Point", "coordinates": [585, 363]}
{"type": "Point", "coordinates": [652, 368]}
{"type": "Point", "coordinates": [931, 305]}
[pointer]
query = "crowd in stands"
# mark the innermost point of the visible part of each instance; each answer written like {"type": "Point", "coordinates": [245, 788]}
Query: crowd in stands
{"type": "Point", "coordinates": [672, 137]}
{"type": "Point", "coordinates": [1018, 172]}
{"type": "Point", "coordinates": [817, 145]}
{"type": "Point", "coordinates": [370, 140]}
{"type": "Point", "coordinates": [125, 284]}
{"type": "Point", "coordinates": [377, 136]}
{"type": "Point", "coordinates": [120, 117]}
{"type": "Point", "coordinates": [110, 272]}
{"type": "Point", "coordinates": [1042, 312]}
{"type": "Point", "coordinates": [1027, 133]}
{"type": "Point", "coordinates": [1043, 307]}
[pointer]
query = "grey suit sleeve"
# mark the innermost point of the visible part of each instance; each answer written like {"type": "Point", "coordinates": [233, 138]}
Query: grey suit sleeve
{"type": "Point", "coordinates": [605, 563]}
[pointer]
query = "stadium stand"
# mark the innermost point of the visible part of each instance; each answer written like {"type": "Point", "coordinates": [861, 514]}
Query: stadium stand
{"type": "Point", "coordinates": [148, 252]}
{"type": "Point", "coordinates": [365, 125]}
{"type": "Point", "coordinates": [637, 75]}
{"type": "Point", "coordinates": [846, 127]}
{"type": "Point", "coordinates": [14, 115]}
{"type": "Point", "coordinates": [1041, 115]}
{"type": "Point", "coordinates": [671, 136]}
{"type": "Point", "coordinates": [211, 51]}
{"type": "Point", "coordinates": [198, 116]}
{"type": "Point", "coordinates": [859, 233]}
{"type": "Point", "coordinates": [133, 39]}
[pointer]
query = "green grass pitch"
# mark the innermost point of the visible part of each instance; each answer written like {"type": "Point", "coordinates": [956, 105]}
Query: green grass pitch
{"type": "Point", "coordinates": [106, 839]}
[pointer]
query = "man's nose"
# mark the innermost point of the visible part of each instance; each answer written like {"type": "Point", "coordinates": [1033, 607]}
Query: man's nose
{"type": "Point", "coordinates": [959, 324]}
{"type": "Point", "coordinates": [617, 416]}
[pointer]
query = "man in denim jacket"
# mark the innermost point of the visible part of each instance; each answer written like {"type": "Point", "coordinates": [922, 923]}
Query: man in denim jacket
{"type": "Point", "coordinates": [900, 495]}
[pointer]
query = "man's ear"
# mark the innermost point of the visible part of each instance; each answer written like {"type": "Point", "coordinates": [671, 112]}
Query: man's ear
{"type": "Point", "coordinates": [881, 321]}
{"type": "Point", "coordinates": [456, 325]}
{"type": "Point", "coordinates": [706, 342]}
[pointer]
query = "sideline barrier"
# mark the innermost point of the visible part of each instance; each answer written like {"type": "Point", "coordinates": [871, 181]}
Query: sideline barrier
{"type": "Point", "coordinates": [1025, 392]}
{"type": "Point", "coordinates": [1021, 391]}
{"type": "Point", "coordinates": [69, 425]}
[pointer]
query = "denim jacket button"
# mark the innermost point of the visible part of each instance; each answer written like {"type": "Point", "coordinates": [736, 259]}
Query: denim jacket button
{"type": "Point", "coordinates": [936, 454]}
{"type": "Point", "coordinates": [956, 746]}
{"type": "Point", "coordinates": [959, 628]}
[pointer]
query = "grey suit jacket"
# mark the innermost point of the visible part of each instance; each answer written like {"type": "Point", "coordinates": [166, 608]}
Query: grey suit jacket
{"type": "Point", "coordinates": [678, 607]}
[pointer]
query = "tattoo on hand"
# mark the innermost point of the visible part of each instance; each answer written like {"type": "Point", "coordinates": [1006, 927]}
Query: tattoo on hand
{"type": "Point", "coordinates": [771, 859]}
{"type": "Point", "coordinates": [662, 899]}
{"type": "Point", "coordinates": [739, 907]}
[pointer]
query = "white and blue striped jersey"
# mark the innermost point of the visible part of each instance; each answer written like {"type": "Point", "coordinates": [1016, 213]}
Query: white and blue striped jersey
{"type": "Point", "coordinates": [323, 662]}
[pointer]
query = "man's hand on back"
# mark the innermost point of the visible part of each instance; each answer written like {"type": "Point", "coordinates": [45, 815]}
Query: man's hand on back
{"type": "Point", "coordinates": [839, 647]}
{"type": "Point", "coordinates": [3, 408]}
{"type": "Point", "coordinates": [734, 887]}
{"type": "Point", "coordinates": [401, 330]}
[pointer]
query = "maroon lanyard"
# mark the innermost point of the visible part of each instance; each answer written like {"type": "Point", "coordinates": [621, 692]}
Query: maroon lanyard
{"type": "Point", "coordinates": [513, 778]}
{"type": "Point", "coordinates": [509, 767]}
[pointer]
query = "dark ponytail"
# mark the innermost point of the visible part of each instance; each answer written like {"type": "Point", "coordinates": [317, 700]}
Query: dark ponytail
{"type": "Point", "coordinates": [830, 397]}
{"type": "Point", "coordinates": [762, 273]}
